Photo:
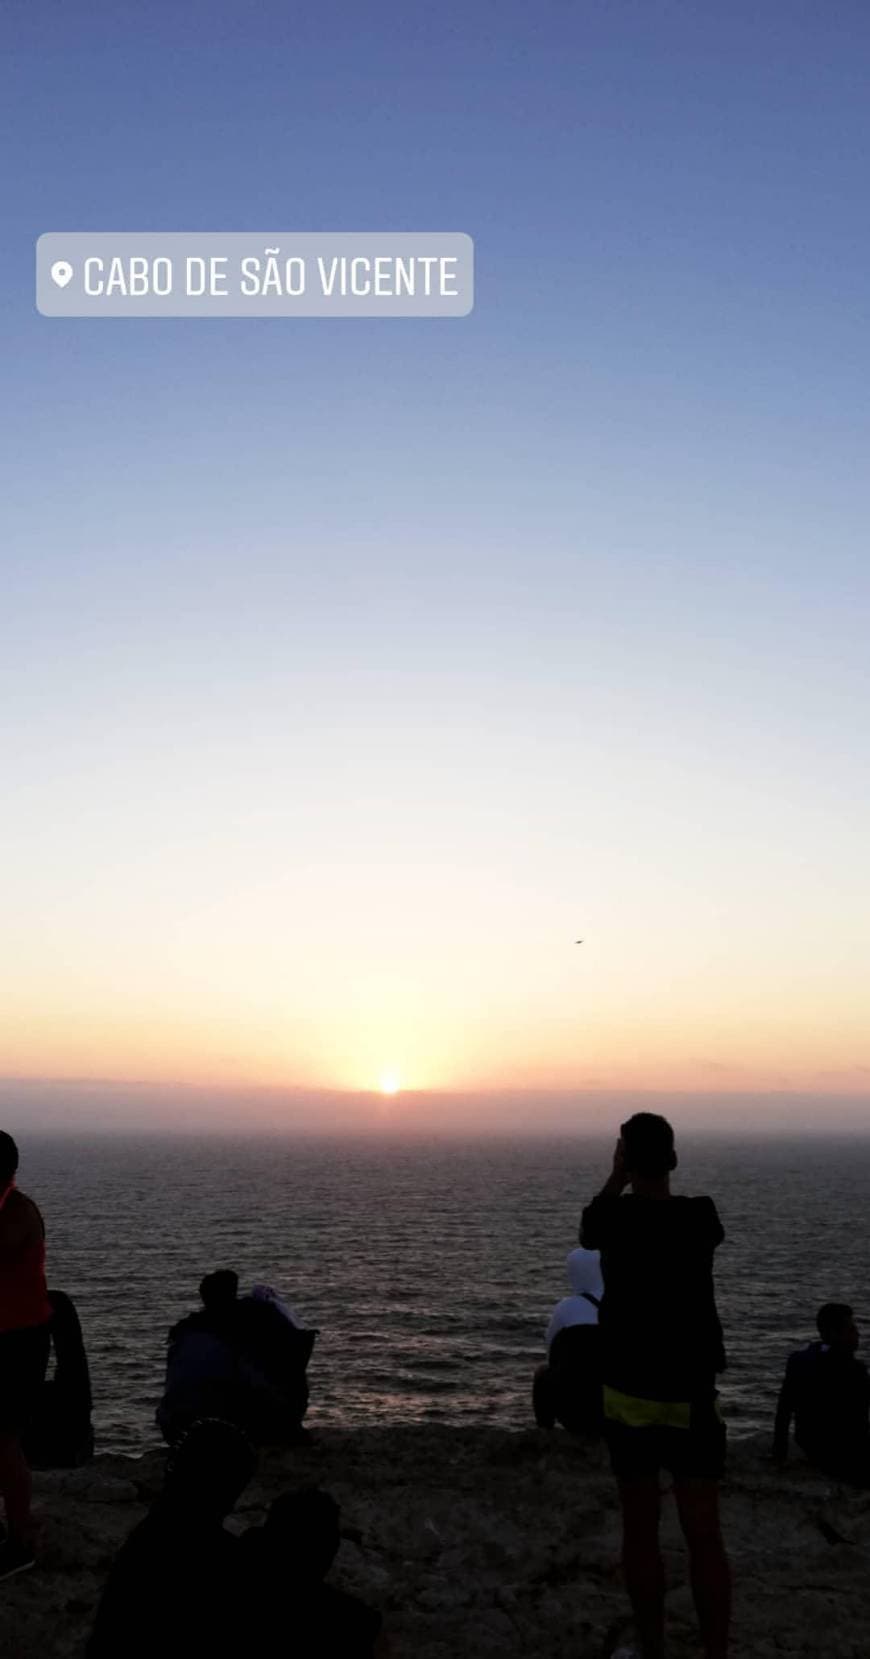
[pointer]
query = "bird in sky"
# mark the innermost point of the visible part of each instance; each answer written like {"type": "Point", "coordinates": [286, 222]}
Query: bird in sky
{"type": "Point", "coordinates": [578, 941]}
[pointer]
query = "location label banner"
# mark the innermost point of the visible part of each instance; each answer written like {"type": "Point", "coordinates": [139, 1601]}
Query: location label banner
{"type": "Point", "coordinates": [254, 274]}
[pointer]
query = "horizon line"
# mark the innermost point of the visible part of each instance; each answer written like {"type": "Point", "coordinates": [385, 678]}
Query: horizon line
{"type": "Point", "coordinates": [502, 1091]}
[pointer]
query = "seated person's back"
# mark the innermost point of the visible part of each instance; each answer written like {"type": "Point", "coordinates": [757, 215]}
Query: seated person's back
{"type": "Point", "coordinates": [827, 1392]}
{"type": "Point", "coordinates": [202, 1372]}
{"type": "Point", "coordinates": [568, 1388]}
{"type": "Point", "coordinates": [240, 1358]}
{"type": "Point", "coordinates": [285, 1563]}
{"type": "Point", "coordinates": [271, 1335]}
{"type": "Point", "coordinates": [174, 1587]}
{"type": "Point", "coordinates": [278, 1349]}
{"type": "Point", "coordinates": [579, 1311]}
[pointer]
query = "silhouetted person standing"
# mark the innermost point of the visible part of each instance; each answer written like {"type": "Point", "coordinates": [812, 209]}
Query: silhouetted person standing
{"type": "Point", "coordinates": [25, 1313]}
{"type": "Point", "coordinates": [827, 1392]}
{"type": "Point", "coordinates": [661, 1347]}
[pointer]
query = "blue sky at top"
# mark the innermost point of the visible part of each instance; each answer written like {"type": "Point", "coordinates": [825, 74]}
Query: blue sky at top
{"type": "Point", "coordinates": [600, 546]}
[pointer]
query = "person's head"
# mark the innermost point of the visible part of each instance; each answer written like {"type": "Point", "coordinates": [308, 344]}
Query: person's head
{"type": "Point", "coordinates": [219, 1289]}
{"type": "Point", "coordinates": [8, 1158]}
{"type": "Point", "coordinates": [648, 1147]}
{"type": "Point", "coordinates": [584, 1272]}
{"type": "Point", "coordinates": [303, 1527]}
{"type": "Point", "coordinates": [835, 1323]}
{"type": "Point", "coordinates": [209, 1468]}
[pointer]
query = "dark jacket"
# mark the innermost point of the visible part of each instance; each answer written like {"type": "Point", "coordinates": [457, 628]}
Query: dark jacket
{"type": "Point", "coordinates": [660, 1333]}
{"type": "Point", "coordinates": [60, 1434]}
{"type": "Point", "coordinates": [827, 1392]}
{"type": "Point", "coordinates": [172, 1592]}
{"type": "Point", "coordinates": [245, 1363]}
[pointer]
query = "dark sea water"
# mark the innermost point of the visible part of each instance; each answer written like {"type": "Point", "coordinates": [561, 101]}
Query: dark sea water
{"type": "Point", "coordinates": [429, 1268]}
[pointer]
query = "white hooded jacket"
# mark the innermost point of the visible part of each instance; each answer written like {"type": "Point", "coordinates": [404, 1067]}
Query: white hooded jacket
{"type": "Point", "coordinates": [584, 1275]}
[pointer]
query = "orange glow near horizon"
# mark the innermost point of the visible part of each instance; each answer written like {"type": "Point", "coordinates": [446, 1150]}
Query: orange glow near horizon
{"type": "Point", "coordinates": [755, 1048]}
{"type": "Point", "coordinates": [203, 976]}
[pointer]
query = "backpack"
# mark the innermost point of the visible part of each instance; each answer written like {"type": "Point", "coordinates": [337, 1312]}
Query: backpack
{"type": "Point", "coordinates": [60, 1434]}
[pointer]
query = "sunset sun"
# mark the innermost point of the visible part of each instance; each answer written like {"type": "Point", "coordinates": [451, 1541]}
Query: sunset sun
{"type": "Point", "coordinates": [390, 1082]}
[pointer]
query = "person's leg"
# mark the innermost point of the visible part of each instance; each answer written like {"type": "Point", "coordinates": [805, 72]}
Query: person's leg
{"type": "Point", "coordinates": [22, 1369]}
{"type": "Point", "coordinates": [698, 1506]}
{"type": "Point", "coordinates": [15, 1489]}
{"type": "Point", "coordinates": [642, 1561]}
{"type": "Point", "coordinates": [543, 1398]}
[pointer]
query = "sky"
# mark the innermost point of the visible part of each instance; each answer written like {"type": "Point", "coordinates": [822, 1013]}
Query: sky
{"type": "Point", "coordinates": [350, 671]}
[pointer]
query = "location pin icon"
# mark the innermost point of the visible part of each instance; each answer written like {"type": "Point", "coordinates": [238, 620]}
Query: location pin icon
{"type": "Point", "coordinates": [61, 272]}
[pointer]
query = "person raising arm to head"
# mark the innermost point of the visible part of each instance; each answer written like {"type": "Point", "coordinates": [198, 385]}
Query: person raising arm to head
{"type": "Point", "coordinates": [661, 1347]}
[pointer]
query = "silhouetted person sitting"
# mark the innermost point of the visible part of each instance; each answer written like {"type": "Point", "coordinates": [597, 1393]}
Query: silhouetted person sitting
{"type": "Point", "coordinates": [173, 1592]}
{"type": "Point", "coordinates": [661, 1347]}
{"type": "Point", "coordinates": [202, 1371]}
{"type": "Point", "coordinates": [278, 1346]}
{"type": "Point", "coordinates": [60, 1434]}
{"type": "Point", "coordinates": [827, 1392]}
{"type": "Point", "coordinates": [568, 1388]}
{"type": "Point", "coordinates": [292, 1610]}
{"type": "Point", "coordinates": [25, 1312]}
{"type": "Point", "coordinates": [239, 1358]}
{"type": "Point", "coordinates": [219, 1292]}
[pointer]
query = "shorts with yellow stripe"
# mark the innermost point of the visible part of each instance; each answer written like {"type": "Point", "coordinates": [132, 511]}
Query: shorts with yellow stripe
{"type": "Point", "coordinates": [686, 1437]}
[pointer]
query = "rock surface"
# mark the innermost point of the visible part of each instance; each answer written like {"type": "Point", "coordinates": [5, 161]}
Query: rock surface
{"type": "Point", "coordinates": [486, 1542]}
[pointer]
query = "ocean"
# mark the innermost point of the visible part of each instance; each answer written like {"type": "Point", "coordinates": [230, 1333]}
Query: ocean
{"type": "Point", "coordinates": [429, 1268]}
